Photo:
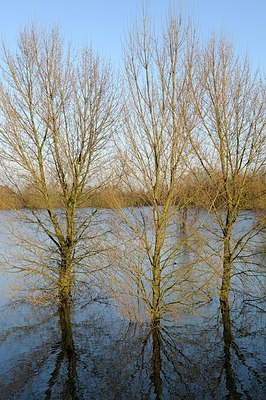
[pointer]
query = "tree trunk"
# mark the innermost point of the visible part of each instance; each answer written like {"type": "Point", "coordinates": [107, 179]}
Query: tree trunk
{"type": "Point", "coordinates": [227, 260]}
{"type": "Point", "coordinates": [156, 288]}
{"type": "Point", "coordinates": [156, 267]}
{"type": "Point", "coordinates": [65, 277]}
{"type": "Point", "coordinates": [64, 286]}
{"type": "Point", "coordinates": [226, 278]}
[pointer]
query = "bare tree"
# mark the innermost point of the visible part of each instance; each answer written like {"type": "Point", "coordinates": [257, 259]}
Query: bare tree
{"type": "Point", "coordinates": [154, 152]}
{"type": "Point", "coordinates": [229, 141]}
{"type": "Point", "coordinates": [57, 113]}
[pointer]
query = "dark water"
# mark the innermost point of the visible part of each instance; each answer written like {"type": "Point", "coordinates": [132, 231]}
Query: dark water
{"type": "Point", "coordinates": [91, 351]}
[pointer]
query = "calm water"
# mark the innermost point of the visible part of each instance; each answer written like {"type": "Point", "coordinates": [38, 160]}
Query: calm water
{"type": "Point", "coordinates": [92, 350]}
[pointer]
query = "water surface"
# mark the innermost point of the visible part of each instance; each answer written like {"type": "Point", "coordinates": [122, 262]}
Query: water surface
{"type": "Point", "coordinates": [91, 350]}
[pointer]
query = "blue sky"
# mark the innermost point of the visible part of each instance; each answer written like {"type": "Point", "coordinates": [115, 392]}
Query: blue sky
{"type": "Point", "coordinates": [103, 23]}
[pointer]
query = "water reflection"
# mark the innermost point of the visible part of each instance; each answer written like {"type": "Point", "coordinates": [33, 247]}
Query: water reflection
{"type": "Point", "coordinates": [228, 343]}
{"type": "Point", "coordinates": [93, 354]}
{"type": "Point", "coordinates": [157, 362]}
{"type": "Point", "coordinates": [67, 354]}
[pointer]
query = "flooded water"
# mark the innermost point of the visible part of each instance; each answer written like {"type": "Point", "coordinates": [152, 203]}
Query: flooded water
{"type": "Point", "coordinates": [91, 350]}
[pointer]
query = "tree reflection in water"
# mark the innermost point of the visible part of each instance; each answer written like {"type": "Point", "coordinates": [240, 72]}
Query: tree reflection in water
{"type": "Point", "coordinates": [67, 354]}
{"type": "Point", "coordinates": [98, 356]}
{"type": "Point", "coordinates": [157, 361]}
{"type": "Point", "coordinates": [228, 343]}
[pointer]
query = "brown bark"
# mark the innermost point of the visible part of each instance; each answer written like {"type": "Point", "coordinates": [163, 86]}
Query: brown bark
{"type": "Point", "coordinates": [65, 275]}
{"type": "Point", "coordinates": [156, 286]}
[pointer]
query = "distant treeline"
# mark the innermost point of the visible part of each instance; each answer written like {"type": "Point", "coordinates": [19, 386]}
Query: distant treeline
{"type": "Point", "coordinates": [200, 192]}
